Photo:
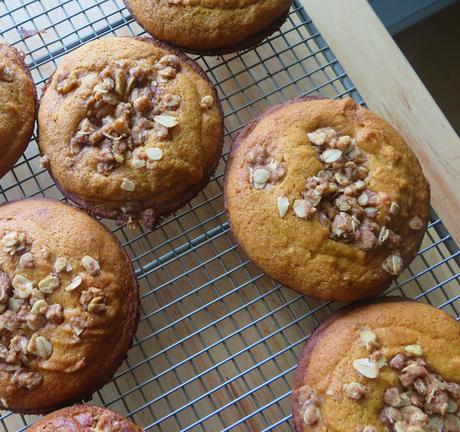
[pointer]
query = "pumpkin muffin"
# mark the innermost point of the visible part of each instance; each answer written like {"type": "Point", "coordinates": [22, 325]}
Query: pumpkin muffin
{"type": "Point", "coordinates": [18, 101]}
{"type": "Point", "coordinates": [209, 26]}
{"type": "Point", "coordinates": [84, 418]}
{"type": "Point", "coordinates": [130, 129]}
{"type": "Point", "coordinates": [69, 305]}
{"type": "Point", "coordinates": [327, 198]}
{"type": "Point", "coordinates": [388, 366]}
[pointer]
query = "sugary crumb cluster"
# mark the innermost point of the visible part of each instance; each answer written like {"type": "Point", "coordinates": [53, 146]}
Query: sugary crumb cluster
{"type": "Point", "coordinates": [27, 312]}
{"type": "Point", "coordinates": [310, 406]}
{"type": "Point", "coordinates": [6, 73]}
{"type": "Point", "coordinates": [263, 169]}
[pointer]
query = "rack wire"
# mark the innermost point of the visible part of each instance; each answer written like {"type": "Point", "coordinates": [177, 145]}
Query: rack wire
{"type": "Point", "coordinates": [218, 340]}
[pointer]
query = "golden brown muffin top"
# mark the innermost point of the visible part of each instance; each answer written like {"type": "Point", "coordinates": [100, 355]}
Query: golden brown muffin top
{"type": "Point", "coordinates": [17, 106]}
{"type": "Point", "coordinates": [390, 364]}
{"type": "Point", "coordinates": [84, 418]}
{"type": "Point", "coordinates": [126, 125]}
{"type": "Point", "coordinates": [68, 301]}
{"type": "Point", "coordinates": [326, 197]}
{"type": "Point", "coordinates": [207, 25]}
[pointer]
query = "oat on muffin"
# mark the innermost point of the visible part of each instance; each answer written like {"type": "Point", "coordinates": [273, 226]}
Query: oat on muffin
{"type": "Point", "coordinates": [84, 418]}
{"type": "Point", "coordinates": [386, 366]}
{"type": "Point", "coordinates": [326, 197]}
{"type": "Point", "coordinates": [18, 102]}
{"type": "Point", "coordinates": [68, 302]}
{"type": "Point", "coordinates": [130, 129]}
{"type": "Point", "coordinates": [209, 26]}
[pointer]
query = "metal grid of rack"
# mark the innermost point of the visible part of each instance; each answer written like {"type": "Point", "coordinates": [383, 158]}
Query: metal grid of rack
{"type": "Point", "coordinates": [218, 341]}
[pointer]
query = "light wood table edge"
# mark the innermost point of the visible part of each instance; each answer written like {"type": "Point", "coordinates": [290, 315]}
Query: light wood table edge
{"type": "Point", "coordinates": [391, 88]}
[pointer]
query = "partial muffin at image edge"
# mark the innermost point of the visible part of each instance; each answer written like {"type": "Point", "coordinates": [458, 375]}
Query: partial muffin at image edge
{"type": "Point", "coordinates": [69, 305]}
{"type": "Point", "coordinates": [80, 418]}
{"type": "Point", "coordinates": [203, 27]}
{"type": "Point", "coordinates": [326, 197]}
{"type": "Point", "coordinates": [130, 129]}
{"type": "Point", "coordinates": [385, 365]}
{"type": "Point", "coordinates": [18, 107]}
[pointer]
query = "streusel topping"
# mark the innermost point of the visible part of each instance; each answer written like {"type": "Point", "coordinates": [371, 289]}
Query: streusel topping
{"type": "Point", "coordinates": [423, 401]}
{"type": "Point", "coordinates": [27, 313]}
{"type": "Point", "coordinates": [127, 105]}
{"type": "Point", "coordinates": [339, 195]}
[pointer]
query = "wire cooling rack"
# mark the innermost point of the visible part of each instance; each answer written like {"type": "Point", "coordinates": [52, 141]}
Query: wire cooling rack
{"type": "Point", "coordinates": [218, 341]}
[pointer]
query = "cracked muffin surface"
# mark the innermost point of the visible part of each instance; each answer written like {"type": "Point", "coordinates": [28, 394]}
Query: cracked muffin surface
{"type": "Point", "coordinates": [326, 197]}
{"type": "Point", "coordinates": [129, 129]}
{"type": "Point", "coordinates": [385, 366]}
{"type": "Point", "coordinates": [17, 107]}
{"type": "Point", "coordinates": [68, 302]}
{"type": "Point", "coordinates": [84, 418]}
{"type": "Point", "coordinates": [210, 26]}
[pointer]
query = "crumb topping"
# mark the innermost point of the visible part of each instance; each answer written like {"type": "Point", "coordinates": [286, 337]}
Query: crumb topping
{"type": "Point", "coordinates": [423, 402]}
{"type": "Point", "coordinates": [355, 390]}
{"type": "Point", "coordinates": [339, 195]}
{"type": "Point", "coordinates": [262, 168]}
{"type": "Point", "coordinates": [128, 104]}
{"type": "Point", "coordinates": [27, 312]}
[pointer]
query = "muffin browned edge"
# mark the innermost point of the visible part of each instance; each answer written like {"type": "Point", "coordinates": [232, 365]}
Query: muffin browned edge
{"type": "Point", "coordinates": [94, 209]}
{"type": "Point", "coordinates": [247, 129]}
{"type": "Point", "coordinates": [106, 375]}
{"type": "Point", "coordinates": [21, 149]}
{"type": "Point", "coordinates": [90, 409]}
{"type": "Point", "coordinates": [315, 339]}
{"type": "Point", "coordinates": [248, 43]}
